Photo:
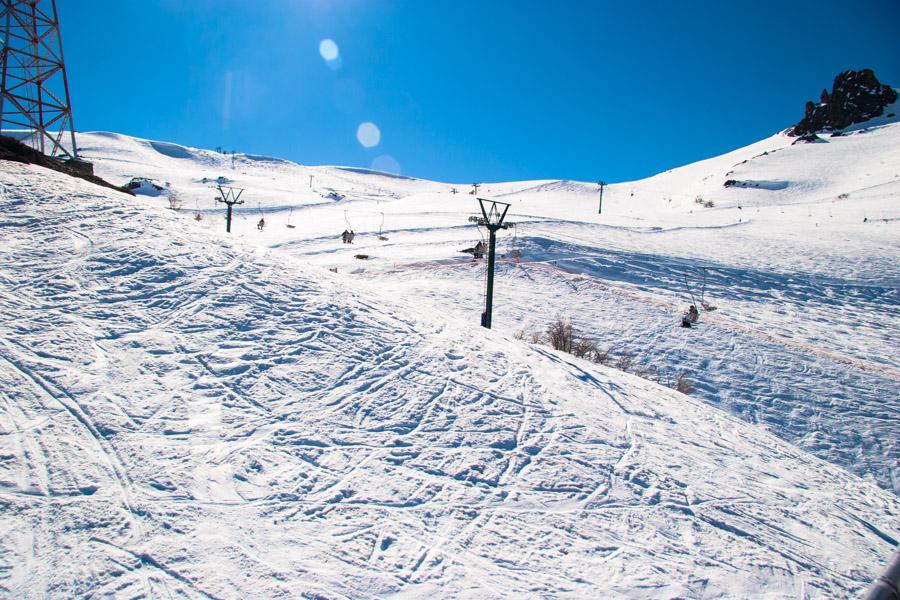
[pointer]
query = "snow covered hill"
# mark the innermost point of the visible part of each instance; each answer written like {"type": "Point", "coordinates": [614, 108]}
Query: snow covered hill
{"type": "Point", "coordinates": [186, 416]}
{"type": "Point", "coordinates": [798, 252]}
{"type": "Point", "coordinates": [185, 413]}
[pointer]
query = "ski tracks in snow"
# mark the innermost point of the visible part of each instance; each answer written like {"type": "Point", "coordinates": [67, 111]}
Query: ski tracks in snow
{"type": "Point", "coordinates": [259, 428]}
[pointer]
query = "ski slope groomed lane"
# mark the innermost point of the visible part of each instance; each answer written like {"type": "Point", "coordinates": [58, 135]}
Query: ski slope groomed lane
{"type": "Point", "coordinates": [183, 416]}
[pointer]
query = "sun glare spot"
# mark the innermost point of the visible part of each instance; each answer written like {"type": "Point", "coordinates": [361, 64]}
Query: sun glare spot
{"type": "Point", "coordinates": [368, 134]}
{"type": "Point", "coordinates": [329, 50]}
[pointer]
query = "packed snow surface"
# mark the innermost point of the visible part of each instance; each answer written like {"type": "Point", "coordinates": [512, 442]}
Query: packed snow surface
{"type": "Point", "coordinates": [803, 273]}
{"type": "Point", "coordinates": [185, 413]}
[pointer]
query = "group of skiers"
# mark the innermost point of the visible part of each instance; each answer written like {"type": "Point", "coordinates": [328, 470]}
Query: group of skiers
{"type": "Point", "coordinates": [348, 236]}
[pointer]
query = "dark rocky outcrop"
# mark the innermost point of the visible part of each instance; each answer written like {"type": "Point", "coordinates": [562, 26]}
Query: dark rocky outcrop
{"type": "Point", "coordinates": [856, 96]}
{"type": "Point", "coordinates": [14, 150]}
{"type": "Point", "coordinates": [809, 138]}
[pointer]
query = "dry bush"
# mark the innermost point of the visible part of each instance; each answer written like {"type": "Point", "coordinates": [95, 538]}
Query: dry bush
{"type": "Point", "coordinates": [602, 357]}
{"type": "Point", "coordinates": [532, 337]}
{"type": "Point", "coordinates": [650, 373]}
{"type": "Point", "coordinates": [584, 348]}
{"type": "Point", "coordinates": [174, 200]}
{"type": "Point", "coordinates": [561, 335]}
{"type": "Point", "coordinates": [624, 362]}
{"type": "Point", "coordinates": [683, 385]}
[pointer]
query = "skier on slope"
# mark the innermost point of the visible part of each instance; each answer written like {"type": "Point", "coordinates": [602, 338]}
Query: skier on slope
{"type": "Point", "coordinates": [690, 317]}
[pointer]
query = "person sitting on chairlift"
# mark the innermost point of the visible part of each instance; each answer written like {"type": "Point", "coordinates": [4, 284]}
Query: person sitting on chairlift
{"type": "Point", "coordinates": [690, 317]}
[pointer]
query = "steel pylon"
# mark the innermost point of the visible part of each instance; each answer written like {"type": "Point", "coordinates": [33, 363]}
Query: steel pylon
{"type": "Point", "coordinates": [34, 90]}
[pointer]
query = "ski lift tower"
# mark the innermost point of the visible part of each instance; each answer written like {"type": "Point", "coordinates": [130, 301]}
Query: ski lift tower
{"type": "Point", "coordinates": [602, 184]}
{"type": "Point", "coordinates": [34, 90]}
{"type": "Point", "coordinates": [230, 196]}
{"type": "Point", "coordinates": [491, 217]}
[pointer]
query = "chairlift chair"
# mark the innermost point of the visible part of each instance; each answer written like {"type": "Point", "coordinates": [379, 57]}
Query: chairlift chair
{"type": "Point", "coordinates": [514, 251]}
{"type": "Point", "coordinates": [261, 224]}
{"type": "Point", "coordinates": [290, 214]}
{"type": "Point", "coordinates": [706, 306]}
{"type": "Point", "coordinates": [381, 237]}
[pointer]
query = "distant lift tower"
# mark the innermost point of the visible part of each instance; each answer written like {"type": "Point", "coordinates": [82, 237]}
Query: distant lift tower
{"type": "Point", "coordinates": [34, 92]}
{"type": "Point", "coordinates": [492, 215]}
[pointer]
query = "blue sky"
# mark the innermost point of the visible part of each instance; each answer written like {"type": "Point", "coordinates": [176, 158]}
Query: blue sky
{"type": "Point", "coordinates": [463, 90]}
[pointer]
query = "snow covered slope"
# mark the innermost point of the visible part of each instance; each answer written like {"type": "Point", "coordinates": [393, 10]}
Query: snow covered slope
{"type": "Point", "coordinates": [184, 415]}
{"type": "Point", "coordinates": [799, 253]}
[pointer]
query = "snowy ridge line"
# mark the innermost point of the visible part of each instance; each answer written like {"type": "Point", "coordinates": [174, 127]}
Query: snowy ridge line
{"type": "Point", "coordinates": [569, 185]}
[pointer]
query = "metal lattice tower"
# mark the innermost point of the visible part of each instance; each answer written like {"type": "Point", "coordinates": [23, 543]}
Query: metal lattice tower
{"type": "Point", "coordinates": [34, 91]}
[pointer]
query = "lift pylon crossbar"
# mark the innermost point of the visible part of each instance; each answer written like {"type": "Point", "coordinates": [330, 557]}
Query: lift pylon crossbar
{"type": "Point", "coordinates": [229, 196]}
{"type": "Point", "coordinates": [493, 217]}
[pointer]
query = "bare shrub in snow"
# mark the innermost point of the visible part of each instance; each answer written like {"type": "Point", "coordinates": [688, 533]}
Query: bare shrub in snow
{"type": "Point", "coordinates": [174, 200]}
{"type": "Point", "coordinates": [683, 385]}
{"type": "Point", "coordinates": [602, 357]}
{"type": "Point", "coordinates": [624, 362]}
{"type": "Point", "coordinates": [531, 337]}
{"type": "Point", "coordinates": [561, 335]}
{"type": "Point", "coordinates": [584, 348]}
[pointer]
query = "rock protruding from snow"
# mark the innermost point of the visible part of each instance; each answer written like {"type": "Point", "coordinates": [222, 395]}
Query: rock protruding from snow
{"type": "Point", "coordinates": [856, 96]}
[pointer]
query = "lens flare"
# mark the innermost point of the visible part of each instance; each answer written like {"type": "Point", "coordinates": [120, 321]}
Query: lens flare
{"type": "Point", "coordinates": [386, 164]}
{"type": "Point", "coordinates": [329, 50]}
{"type": "Point", "coordinates": [368, 134]}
